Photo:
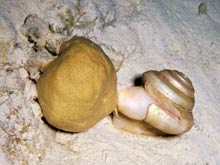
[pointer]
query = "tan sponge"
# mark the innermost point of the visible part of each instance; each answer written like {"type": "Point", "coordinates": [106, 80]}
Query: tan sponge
{"type": "Point", "coordinates": [78, 88]}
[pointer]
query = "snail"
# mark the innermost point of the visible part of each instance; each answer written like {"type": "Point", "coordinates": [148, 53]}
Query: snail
{"type": "Point", "coordinates": [163, 105]}
{"type": "Point", "coordinates": [78, 88]}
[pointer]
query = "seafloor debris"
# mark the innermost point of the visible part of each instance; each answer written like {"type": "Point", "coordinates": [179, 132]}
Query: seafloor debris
{"type": "Point", "coordinates": [38, 34]}
{"type": "Point", "coordinates": [202, 8]}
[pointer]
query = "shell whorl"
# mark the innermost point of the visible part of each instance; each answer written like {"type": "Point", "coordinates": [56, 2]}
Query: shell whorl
{"type": "Point", "coordinates": [170, 89]}
{"type": "Point", "coordinates": [164, 102]}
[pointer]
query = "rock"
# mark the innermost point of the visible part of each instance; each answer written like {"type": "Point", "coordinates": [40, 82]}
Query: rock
{"type": "Point", "coordinates": [78, 88]}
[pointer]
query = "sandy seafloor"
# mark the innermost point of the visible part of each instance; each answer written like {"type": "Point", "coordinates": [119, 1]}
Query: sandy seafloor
{"type": "Point", "coordinates": [140, 35]}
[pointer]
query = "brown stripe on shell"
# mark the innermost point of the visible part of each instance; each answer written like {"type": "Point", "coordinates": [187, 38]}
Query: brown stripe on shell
{"type": "Point", "coordinates": [160, 88]}
{"type": "Point", "coordinates": [184, 81]}
{"type": "Point", "coordinates": [174, 81]}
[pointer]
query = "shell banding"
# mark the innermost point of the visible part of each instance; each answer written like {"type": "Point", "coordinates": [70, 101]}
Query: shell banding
{"type": "Point", "coordinates": [167, 106]}
{"type": "Point", "coordinates": [170, 88]}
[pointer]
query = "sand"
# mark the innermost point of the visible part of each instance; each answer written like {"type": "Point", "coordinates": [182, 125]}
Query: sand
{"type": "Point", "coordinates": [138, 36]}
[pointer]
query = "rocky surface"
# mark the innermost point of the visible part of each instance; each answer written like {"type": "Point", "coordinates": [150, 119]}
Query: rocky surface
{"type": "Point", "coordinates": [137, 36]}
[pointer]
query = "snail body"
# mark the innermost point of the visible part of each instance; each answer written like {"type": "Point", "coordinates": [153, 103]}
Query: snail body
{"type": "Point", "coordinates": [163, 105]}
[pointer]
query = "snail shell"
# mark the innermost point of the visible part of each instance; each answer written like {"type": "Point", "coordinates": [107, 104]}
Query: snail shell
{"type": "Point", "coordinates": [165, 103]}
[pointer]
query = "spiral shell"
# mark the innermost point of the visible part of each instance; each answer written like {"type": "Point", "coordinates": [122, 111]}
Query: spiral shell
{"type": "Point", "coordinates": [170, 88]}
{"type": "Point", "coordinates": [165, 102]}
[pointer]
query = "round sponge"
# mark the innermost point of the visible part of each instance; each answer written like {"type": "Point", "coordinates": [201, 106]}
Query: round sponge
{"type": "Point", "coordinates": [78, 88]}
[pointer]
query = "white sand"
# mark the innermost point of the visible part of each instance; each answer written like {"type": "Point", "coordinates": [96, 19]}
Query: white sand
{"type": "Point", "coordinates": [144, 35]}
